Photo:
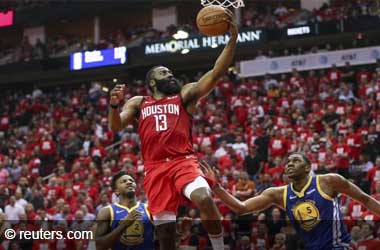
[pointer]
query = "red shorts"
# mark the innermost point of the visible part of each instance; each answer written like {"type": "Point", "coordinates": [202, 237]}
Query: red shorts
{"type": "Point", "coordinates": [165, 180]}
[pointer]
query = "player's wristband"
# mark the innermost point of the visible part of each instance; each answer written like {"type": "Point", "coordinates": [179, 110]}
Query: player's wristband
{"type": "Point", "coordinates": [114, 106]}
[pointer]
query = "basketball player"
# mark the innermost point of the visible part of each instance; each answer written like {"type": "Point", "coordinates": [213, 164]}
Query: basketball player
{"type": "Point", "coordinates": [310, 202]}
{"type": "Point", "coordinates": [165, 130]}
{"type": "Point", "coordinates": [124, 225]}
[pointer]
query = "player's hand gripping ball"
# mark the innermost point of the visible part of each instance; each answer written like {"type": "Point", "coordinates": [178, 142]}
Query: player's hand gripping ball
{"type": "Point", "coordinates": [214, 20]}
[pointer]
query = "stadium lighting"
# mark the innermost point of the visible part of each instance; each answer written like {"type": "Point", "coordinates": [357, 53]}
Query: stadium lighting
{"type": "Point", "coordinates": [185, 51]}
{"type": "Point", "coordinates": [114, 80]}
{"type": "Point", "coordinates": [181, 34]}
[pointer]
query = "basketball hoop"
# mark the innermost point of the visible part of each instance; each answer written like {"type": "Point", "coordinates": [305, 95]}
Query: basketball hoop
{"type": "Point", "coordinates": [225, 3]}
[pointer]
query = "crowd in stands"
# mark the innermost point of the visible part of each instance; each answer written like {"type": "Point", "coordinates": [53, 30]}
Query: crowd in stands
{"type": "Point", "coordinates": [339, 9]}
{"type": "Point", "coordinates": [57, 154]}
{"type": "Point", "coordinates": [253, 16]}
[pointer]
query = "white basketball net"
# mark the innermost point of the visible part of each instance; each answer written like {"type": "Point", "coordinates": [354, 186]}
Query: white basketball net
{"type": "Point", "coordinates": [224, 3]}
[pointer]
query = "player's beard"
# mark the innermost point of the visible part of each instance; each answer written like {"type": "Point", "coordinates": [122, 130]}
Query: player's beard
{"type": "Point", "coordinates": [169, 86]}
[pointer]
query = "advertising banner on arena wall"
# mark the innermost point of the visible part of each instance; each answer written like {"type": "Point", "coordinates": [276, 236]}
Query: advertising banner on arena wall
{"type": "Point", "coordinates": [98, 58]}
{"type": "Point", "coordinates": [321, 60]}
{"type": "Point", "coordinates": [185, 46]}
{"type": "Point", "coordinates": [299, 31]}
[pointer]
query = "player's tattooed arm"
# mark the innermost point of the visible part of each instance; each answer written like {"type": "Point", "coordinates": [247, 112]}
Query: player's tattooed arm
{"type": "Point", "coordinates": [117, 120]}
{"type": "Point", "coordinates": [105, 237]}
{"type": "Point", "coordinates": [195, 91]}
{"type": "Point", "coordinates": [341, 185]}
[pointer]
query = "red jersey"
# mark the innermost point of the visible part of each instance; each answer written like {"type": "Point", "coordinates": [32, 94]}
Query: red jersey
{"type": "Point", "coordinates": [165, 128]}
{"type": "Point", "coordinates": [369, 244]}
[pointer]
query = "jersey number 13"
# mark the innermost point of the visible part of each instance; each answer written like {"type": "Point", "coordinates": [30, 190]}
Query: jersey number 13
{"type": "Point", "coordinates": [161, 122]}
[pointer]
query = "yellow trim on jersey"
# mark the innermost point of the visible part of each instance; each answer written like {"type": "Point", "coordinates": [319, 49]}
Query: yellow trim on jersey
{"type": "Point", "coordinates": [126, 208]}
{"type": "Point", "coordinates": [111, 213]}
{"type": "Point", "coordinates": [147, 212]}
{"type": "Point", "coordinates": [302, 193]}
{"type": "Point", "coordinates": [323, 194]}
{"type": "Point", "coordinates": [284, 195]}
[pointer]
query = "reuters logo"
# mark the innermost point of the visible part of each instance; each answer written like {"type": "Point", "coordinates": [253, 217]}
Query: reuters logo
{"type": "Point", "coordinates": [134, 234]}
{"type": "Point", "coordinates": [307, 215]}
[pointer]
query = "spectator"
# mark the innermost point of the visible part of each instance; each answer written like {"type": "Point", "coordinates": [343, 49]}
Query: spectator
{"type": "Point", "coordinates": [253, 164]}
{"type": "Point", "coordinates": [275, 223]}
{"type": "Point", "coordinates": [240, 147]}
{"type": "Point", "coordinates": [264, 182]}
{"type": "Point", "coordinates": [222, 150]}
{"type": "Point", "coordinates": [87, 216]}
{"type": "Point", "coordinates": [79, 224]}
{"type": "Point", "coordinates": [64, 214]}
{"type": "Point", "coordinates": [279, 242]}
{"type": "Point", "coordinates": [244, 244]}
{"type": "Point", "coordinates": [244, 188]}
{"type": "Point", "coordinates": [104, 201]}
{"type": "Point", "coordinates": [37, 199]}
{"type": "Point", "coordinates": [13, 211]}
{"type": "Point", "coordinates": [19, 200]}
{"type": "Point", "coordinates": [3, 171]}
{"type": "Point", "coordinates": [277, 144]}
{"type": "Point", "coordinates": [356, 236]}
{"type": "Point", "coordinates": [368, 242]}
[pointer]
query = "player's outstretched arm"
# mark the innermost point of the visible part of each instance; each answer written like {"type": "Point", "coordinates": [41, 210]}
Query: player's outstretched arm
{"type": "Point", "coordinates": [266, 199]}
{"type": "Point", "coordinates": [195, 91]}
{"type": "Point", "coordinates": [344, 186]}
{"type": "Point", "coordinates": [118, 121]}
{"type": "Point", "coordinates": [105, 237]}
{"type": "Point", "coordinates": [270, 196]}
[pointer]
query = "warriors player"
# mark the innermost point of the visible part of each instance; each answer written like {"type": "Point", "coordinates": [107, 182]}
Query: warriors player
{"type": "Point", "coordinates": [165, 130]}
{"type": "Point", "coordinates": [124, 225]}
{"type": "Point", "coordinates": [311, 203]}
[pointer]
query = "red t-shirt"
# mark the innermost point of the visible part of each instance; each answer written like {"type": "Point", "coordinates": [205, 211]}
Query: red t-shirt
{"type": "Point", "coordinates": [4, 123]}
{"type": "Point", "coordinates": [98, 151]}
{"type": "Point", "coordinates": [335, 75]}
{"type": "Point", "coordinates": [356, 209]}
{"type": "Point", "coordinates": [275, 172]}
{"type": "Point", "coordinates": [354, 143]}
{"type": "Point", "coordinates": [47, 147]}
{"type": "Point", "coordinates": [34, 165]}
{"type": "Point", "coordinates": [277, 147]}
{"type": "Point", "coordinates": [369, 244]}
{"type": "Point", "coordinates": [226, 161]}
{"type": "Point", "coordinates": [341, 149]}
{"type": "Point", "coordinates": [363, 75]}
{"type": "Point", "coordinates": [373, 174]}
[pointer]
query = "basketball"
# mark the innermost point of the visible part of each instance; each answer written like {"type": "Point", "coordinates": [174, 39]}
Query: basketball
{"type": "Point", "coordinates": [210, 20]}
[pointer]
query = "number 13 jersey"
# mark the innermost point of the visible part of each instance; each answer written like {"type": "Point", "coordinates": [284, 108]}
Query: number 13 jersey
{"type": "Point", "coordinates": [165, 128]}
